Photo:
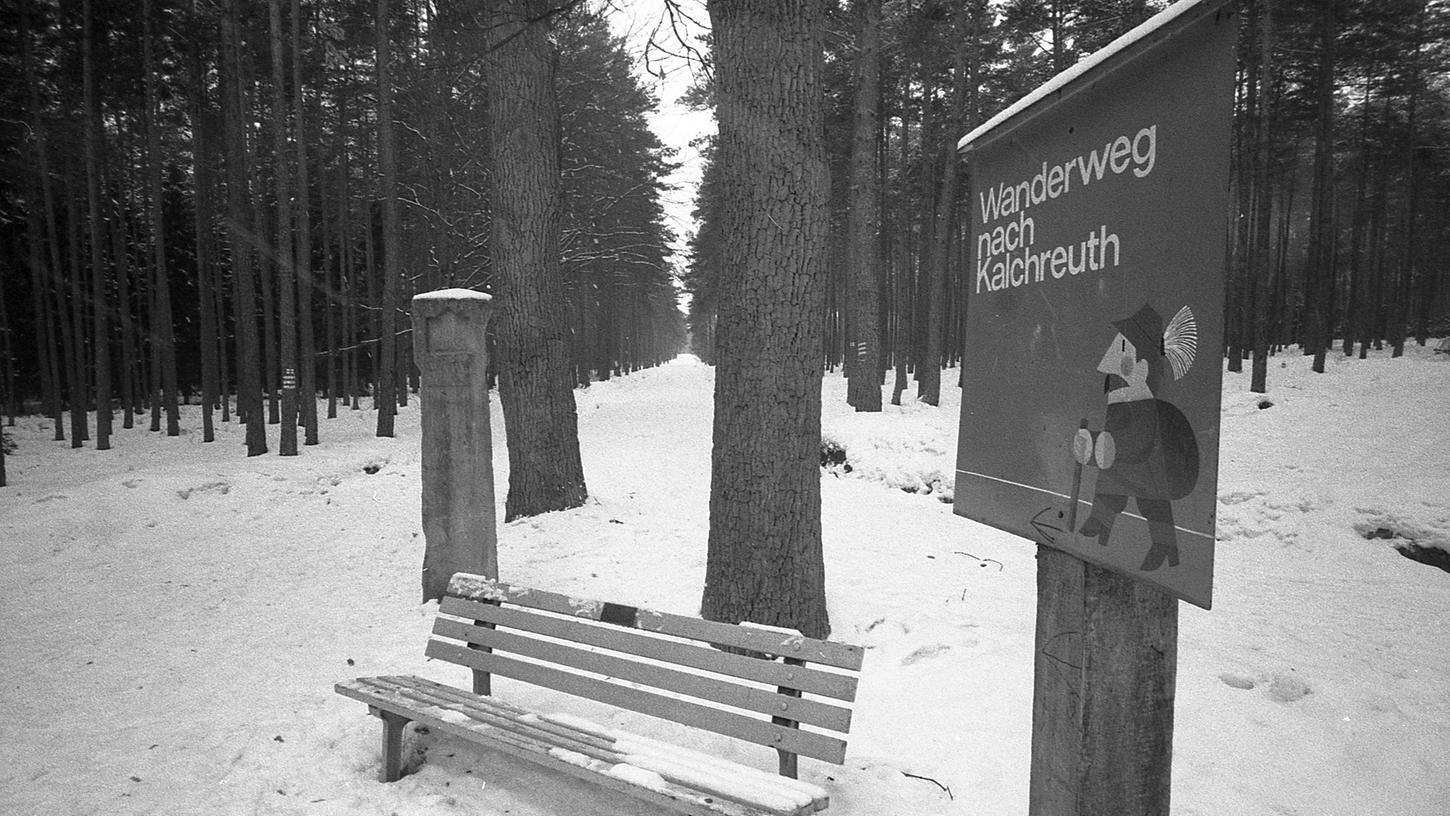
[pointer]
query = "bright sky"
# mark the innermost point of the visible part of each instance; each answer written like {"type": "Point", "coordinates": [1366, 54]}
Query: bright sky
{"type": "Point", "coordinates": [669, 75]}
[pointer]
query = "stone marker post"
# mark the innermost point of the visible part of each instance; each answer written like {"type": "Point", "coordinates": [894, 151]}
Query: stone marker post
{"type": "Point", "coordinates": [459, 519]}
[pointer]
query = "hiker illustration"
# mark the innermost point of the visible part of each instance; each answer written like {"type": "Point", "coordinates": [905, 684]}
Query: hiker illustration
{"type": "Point", "coordinates": [1146, 449]}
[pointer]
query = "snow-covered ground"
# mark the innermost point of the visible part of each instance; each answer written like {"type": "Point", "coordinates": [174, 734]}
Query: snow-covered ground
{"type": "Point", "coordinates": [175, 614]}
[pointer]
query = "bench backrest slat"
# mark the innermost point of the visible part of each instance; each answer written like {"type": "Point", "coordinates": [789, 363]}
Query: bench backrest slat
{"type": "Point", "coordinates": [720, 721]}
{"type": "Point", "coordinates": [764, 701]}
{"type": "Point", "coordinates": [825, 683]}
{"type": "Point", "coordinates": [811, 650]}
{"type": "Point", "coordinates": [720, 677]}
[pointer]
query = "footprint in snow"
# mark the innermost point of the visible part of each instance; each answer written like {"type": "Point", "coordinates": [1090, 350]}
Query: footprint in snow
{"type": "Point", "coordinates": [221, 488]}
{"type": "Point", "coordinates": [1285, 688]}
{"type": "Point", "coordinates": [924, 653]}
{"type": "Point", "coordinates": [1238, 681]}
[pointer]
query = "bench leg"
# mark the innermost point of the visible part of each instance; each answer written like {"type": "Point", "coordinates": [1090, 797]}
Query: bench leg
{"type": "Point", "coordinates": [788, 763]}
{"type": "Point", "coordinates": [392, 746]}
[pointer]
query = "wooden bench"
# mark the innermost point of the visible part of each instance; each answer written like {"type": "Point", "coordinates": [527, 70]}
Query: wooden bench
{"type": "Point", "coordinates": [759, 684]}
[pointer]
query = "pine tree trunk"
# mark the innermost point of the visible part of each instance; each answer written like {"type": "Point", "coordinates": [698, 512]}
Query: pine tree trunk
{"type": "Point", "coordinates": [80, 394]}
{"type": "Point", "coordinates": [863, 239]}
{"type": "Point", "coordinates": [9, 401]}
{"type": "Point", "coordinates": [765, 561]}
{"type": "Point", "coordinates": [163, 332]}
{"type": "Point", "coordinates": [1354, 308]}
{"type": "Point", "coordinates": [224, 380]}
{"type": "Point", "coordinates": [44, 350]}
{"type": "Point", "coordinates": [201, 171]}
{"type": "Point", "coordinates": [44, 277]}
{"type": "Point", "coordinates": [533, 361]}
{"type": "Point", "coordinates": [1410, 271]}
{"type": "Point", "coordinates": [127, 369]}
{"type": "Point", "coordinates": [286, 280]}
{"type": "Point", "coordinates": [1322, 231]}
{"type": "Point", "coordinates": [1261, 263]}
{"type": "Point", "coordinates": [332, 300]}
{"type": "Point", "coordinates": [249, 395]}
{"type": "Point", "coordinates": [99, 301]}
{"type": "Point", "coordinates": [307, 375]}
{"type": "Point", "coordinates": [385, 396]}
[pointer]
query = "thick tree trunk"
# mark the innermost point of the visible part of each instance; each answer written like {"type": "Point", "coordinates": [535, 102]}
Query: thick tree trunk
{"type": "Point", "coordinates": [863, 236]}
{"type": "Point", "coordinates": [535, 377]}
{"type": "Point", "coordinates": [765, 562]}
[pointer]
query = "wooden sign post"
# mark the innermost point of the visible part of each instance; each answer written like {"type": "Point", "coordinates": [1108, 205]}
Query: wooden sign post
{"type": "Point", "coordinates": [1091, 385]}
{"type": "Point", "coordinates": [459, 518]}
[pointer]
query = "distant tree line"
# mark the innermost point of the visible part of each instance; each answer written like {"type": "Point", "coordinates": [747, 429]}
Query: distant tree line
{"type": "Point", "coordinates": [232, 202]}
{"type": "Point", "coordinates": [1341, 174]}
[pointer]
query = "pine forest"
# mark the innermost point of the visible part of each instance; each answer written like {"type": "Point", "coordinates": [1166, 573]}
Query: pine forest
{"type": "Point", "coordinates": [230, 203]}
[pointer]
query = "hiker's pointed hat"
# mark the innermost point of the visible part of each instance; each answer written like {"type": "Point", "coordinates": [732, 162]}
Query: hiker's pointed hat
{"type": "Point", "coordinates": [1144, 329]}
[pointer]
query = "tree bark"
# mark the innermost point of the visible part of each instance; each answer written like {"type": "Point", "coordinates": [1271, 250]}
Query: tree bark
{"type": "Point", "coordinates": [386, 395]}
{"type": "Point", "coordinates": [286, 279]}
{"type": "Point", "coordinates": [80, 394]}
{"type": "Point", "coordinates": [203, 224]}
{"type": "Point", "coordinates": [302, 268]}
{"type": "Point", "coordinates": [765, 562]}
{"type": "Point", "coordinates": [1322, 230]}
{"type": "Point", "coordinates": [863, 226]}
{"type": "Point", "coordinates": [163, 333]}
{"type": "Point", "coordinates": [535, 371]}
{"type": "Point", "coordinates": [100, 302]}
{"type": "Point", "coordinates": [45, 277]}
{"type": "Point", "coordinates": [1261, 268]}
{"type": "Point", "coordinates": [249, 394]}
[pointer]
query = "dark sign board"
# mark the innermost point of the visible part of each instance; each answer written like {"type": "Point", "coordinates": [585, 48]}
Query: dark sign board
{"type": "Point", "coordinates": [1092, 367]}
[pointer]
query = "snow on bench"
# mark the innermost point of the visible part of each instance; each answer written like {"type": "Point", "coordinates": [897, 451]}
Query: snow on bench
{"type": "Point", "coordinates": [665, 665]}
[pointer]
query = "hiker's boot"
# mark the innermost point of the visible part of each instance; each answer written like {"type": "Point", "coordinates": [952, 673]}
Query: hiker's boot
{"type": "Point", "coordinates": [1165, 546]}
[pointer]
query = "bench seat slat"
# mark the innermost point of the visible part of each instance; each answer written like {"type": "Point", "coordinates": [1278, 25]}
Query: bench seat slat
{"type": "Point", "coordinates": [740, 726]}
{"type": "Point", "coordinates": [673, 797]}
{"type": "Point", "coordinates": [812, 650]}
{"type": "Point", "coordinates": [655, 647]}
{"type": "Point", "coordinates": [811, 712]}
{"type": "Point", "coordinates": [478, 710]}
{"type": "Point", "coordinates": [679, 765]}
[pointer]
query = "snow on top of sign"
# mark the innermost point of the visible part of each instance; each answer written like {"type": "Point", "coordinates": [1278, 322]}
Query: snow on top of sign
{"type": "Point", "coordinates": [1083, 66]}
{"type": "Point", "coordinates": [453, 294]}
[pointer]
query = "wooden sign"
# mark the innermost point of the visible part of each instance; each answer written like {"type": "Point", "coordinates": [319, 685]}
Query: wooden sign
{"type": "Point", "coordinates": [1092, 370]}
{"type": "Point", "coordinates": [1091, 385]}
